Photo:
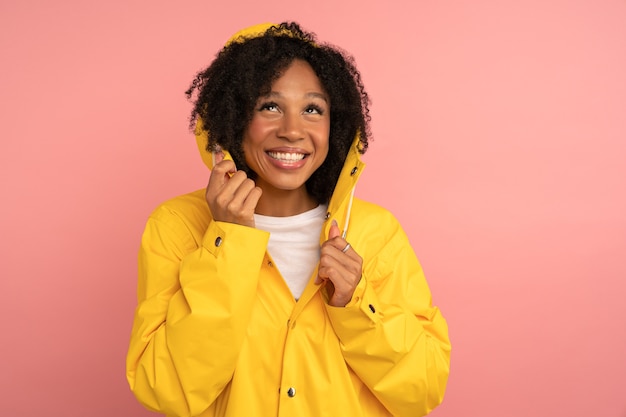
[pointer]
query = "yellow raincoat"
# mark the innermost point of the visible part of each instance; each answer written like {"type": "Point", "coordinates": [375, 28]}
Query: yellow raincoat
{"type": "Point", "coordinates": [217, 331]}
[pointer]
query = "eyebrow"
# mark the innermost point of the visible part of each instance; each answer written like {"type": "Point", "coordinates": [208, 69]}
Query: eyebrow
{"type": "Point", "coordinates": [307, 95]}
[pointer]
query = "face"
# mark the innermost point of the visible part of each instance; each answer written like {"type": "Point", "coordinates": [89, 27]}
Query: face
{"type": "Point", "coordinates": [287, 138]}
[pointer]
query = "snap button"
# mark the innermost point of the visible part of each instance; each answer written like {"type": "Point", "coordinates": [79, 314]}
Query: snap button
{"type": "Point", "coordinates": [327, 216]}
{"type": "Point", "coordinates": [291, 392]}
{"type": "Point", "coordinates": [218, 241]}
{"type": "Point", "coordinates": [372, 309]}
{"type": "Point", "coordinates": [353, 171]}
{"type": "Point", "coordinates": [270, 264]}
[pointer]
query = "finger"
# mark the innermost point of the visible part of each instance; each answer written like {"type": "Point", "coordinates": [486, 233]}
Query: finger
{"type": "Point", "coordinates": [339, 271]}
{"type": "Point", "coordinates": [220, 176]}
{"type": "Point", "coordinates": [334, 237]}
{"type": "Point", "coordinates": [334, 230]}
{"type": "Point", "coordinates": [226, 191]}
{"type": "Point", "coordinates": [240, 207]}
{"type": "Point", "coordinates": [342, 282]}
{"type": "Point", "coordinates": [336, 246]}
{"type": "Point", "coordinates": [240, 188]}
{"type": "Point", "coordinates": [332, 269]}
{"type": "Point", "coordinates": [252, 199]}
{"type": "Point", "coordinates": [218, 156]}
{"type": "Point", "coordinates": [222, 172]}
{"type": "Point", "coordinates": [225, 166]}
{"type": "Point", "coordinates": [334, 264]}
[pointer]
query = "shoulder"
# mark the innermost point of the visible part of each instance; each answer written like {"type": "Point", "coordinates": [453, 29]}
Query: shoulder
{"type": "Point", "coordinates": [373, 215]}
{"type": "Point", "coordinates": [376, 225]}
{"type": "Point", "coordinates": [187, 206]}
{"type": "Point", "coordinates": [378, 237]}
{"type": "Point", "coordinates": [186, 216]}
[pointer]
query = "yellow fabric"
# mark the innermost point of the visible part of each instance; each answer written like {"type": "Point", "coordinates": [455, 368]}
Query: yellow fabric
{"type": "Point", "coordinates": [218, 333]}
{"type": "Point", "coordinates": [202, 140]}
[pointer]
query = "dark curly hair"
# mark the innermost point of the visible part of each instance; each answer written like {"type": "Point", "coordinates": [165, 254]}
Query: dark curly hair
{"type": "Point", "coordinates": [225, 94]}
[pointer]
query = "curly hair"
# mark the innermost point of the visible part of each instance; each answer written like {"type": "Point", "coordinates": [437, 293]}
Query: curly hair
{"type": "Point", "coordinates": [225, 94]}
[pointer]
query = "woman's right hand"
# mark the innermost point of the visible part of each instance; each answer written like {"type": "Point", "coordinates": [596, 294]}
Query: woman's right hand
{"type": "Point", "coordinates": [231, 195]}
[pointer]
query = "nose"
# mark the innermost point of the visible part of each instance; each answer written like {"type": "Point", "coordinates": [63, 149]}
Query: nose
{"type": "Point", "coordinates": [291, 127]}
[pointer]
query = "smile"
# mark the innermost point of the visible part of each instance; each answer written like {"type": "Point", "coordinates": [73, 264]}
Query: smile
{"type": "Point", "coordinates": [287, 156]}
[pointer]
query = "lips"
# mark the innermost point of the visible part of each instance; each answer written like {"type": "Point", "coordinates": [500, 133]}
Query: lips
{"type": "Point", "coordinates": [287, 156]}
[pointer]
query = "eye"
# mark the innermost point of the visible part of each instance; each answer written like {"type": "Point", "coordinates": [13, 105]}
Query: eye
{"type": "Point", "coordinates": [269, 106]}
{"type": "Point", "coordinates": [314, 109]}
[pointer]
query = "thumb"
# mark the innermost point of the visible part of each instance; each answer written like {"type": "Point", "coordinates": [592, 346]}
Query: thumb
{"type": "Point", "coordinates": [334, 230]}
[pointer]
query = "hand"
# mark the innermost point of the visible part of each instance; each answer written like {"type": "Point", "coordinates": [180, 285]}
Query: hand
{"type": "Point", "coordinates": [341, 271]}
{"type": "Point", "coordinates": [231, 195]}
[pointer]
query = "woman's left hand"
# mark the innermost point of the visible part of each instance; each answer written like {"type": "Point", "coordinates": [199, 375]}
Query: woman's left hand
{"type": "Point", "coordinates": [340, 268]}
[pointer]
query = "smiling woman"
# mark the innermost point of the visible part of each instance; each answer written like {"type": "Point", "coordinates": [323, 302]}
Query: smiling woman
{"type": "Point", "coordinates": [251, 301]}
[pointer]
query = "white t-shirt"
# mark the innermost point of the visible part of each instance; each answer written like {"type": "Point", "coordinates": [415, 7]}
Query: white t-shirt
{"type": "Point", "coordinates": [294, 245]}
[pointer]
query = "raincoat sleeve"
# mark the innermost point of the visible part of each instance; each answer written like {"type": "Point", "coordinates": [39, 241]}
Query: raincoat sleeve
{"type": "Point", "coordinates": [390, 334]}
{"type": "Point", "coordinates": [194, 303]}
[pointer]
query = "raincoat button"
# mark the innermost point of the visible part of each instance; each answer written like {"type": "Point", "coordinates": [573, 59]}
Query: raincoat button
{"type": "Point", "coordinates": [270, 264]}
{"type": "Point", "coordinates": [218, 241]}
{"type": "Point", "coordinates": [372, 309]}
{"type": "Point", "coordinates": [353, 171]}
{"type": "Point", "coordinates": [327, 216]}
{"type": "Point", "coordinates": [291, 392]}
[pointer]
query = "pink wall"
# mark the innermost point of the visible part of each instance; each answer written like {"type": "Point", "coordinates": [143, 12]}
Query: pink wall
{"type": "Point", "coordinates": [500, 143]}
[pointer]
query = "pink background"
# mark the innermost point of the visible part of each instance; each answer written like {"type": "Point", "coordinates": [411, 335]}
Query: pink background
{"type": "Point", "coordinates": [500, 143]}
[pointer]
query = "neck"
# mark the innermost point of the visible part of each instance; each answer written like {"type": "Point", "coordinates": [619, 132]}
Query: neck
{"type": "Point", "coordinates": [283, 203]}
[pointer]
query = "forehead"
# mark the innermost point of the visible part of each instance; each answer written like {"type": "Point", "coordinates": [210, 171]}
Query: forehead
{"type": "Point", "coordinates": [298, 78]}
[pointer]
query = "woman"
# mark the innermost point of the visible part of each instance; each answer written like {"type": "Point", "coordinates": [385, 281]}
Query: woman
{"type": "Point", "coordinates": [275, 291]}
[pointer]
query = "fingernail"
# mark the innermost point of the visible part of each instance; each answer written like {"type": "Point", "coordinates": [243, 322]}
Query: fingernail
{"type": "Point", "coordinates": [334, 223]}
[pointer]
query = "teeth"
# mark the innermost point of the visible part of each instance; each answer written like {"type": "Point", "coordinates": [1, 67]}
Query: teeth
{"type": "Point", "coordinates": [286, 156]}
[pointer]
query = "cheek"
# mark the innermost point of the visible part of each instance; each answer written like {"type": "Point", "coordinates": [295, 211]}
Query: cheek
{"type": "Point", "coordinates": [254, 132]}
{"type": "Point", "coordinates": [322, 147]}
{"type": "Point", "coordinates": [253, 138]}
{"type": "Point", "coordinates": [324, 140]}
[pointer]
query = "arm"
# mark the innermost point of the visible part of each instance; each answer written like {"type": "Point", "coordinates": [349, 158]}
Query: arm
{"type": "Point", "coordinates": [391, 335]}
{"type": "Point", "coordinates": [194, 304]}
